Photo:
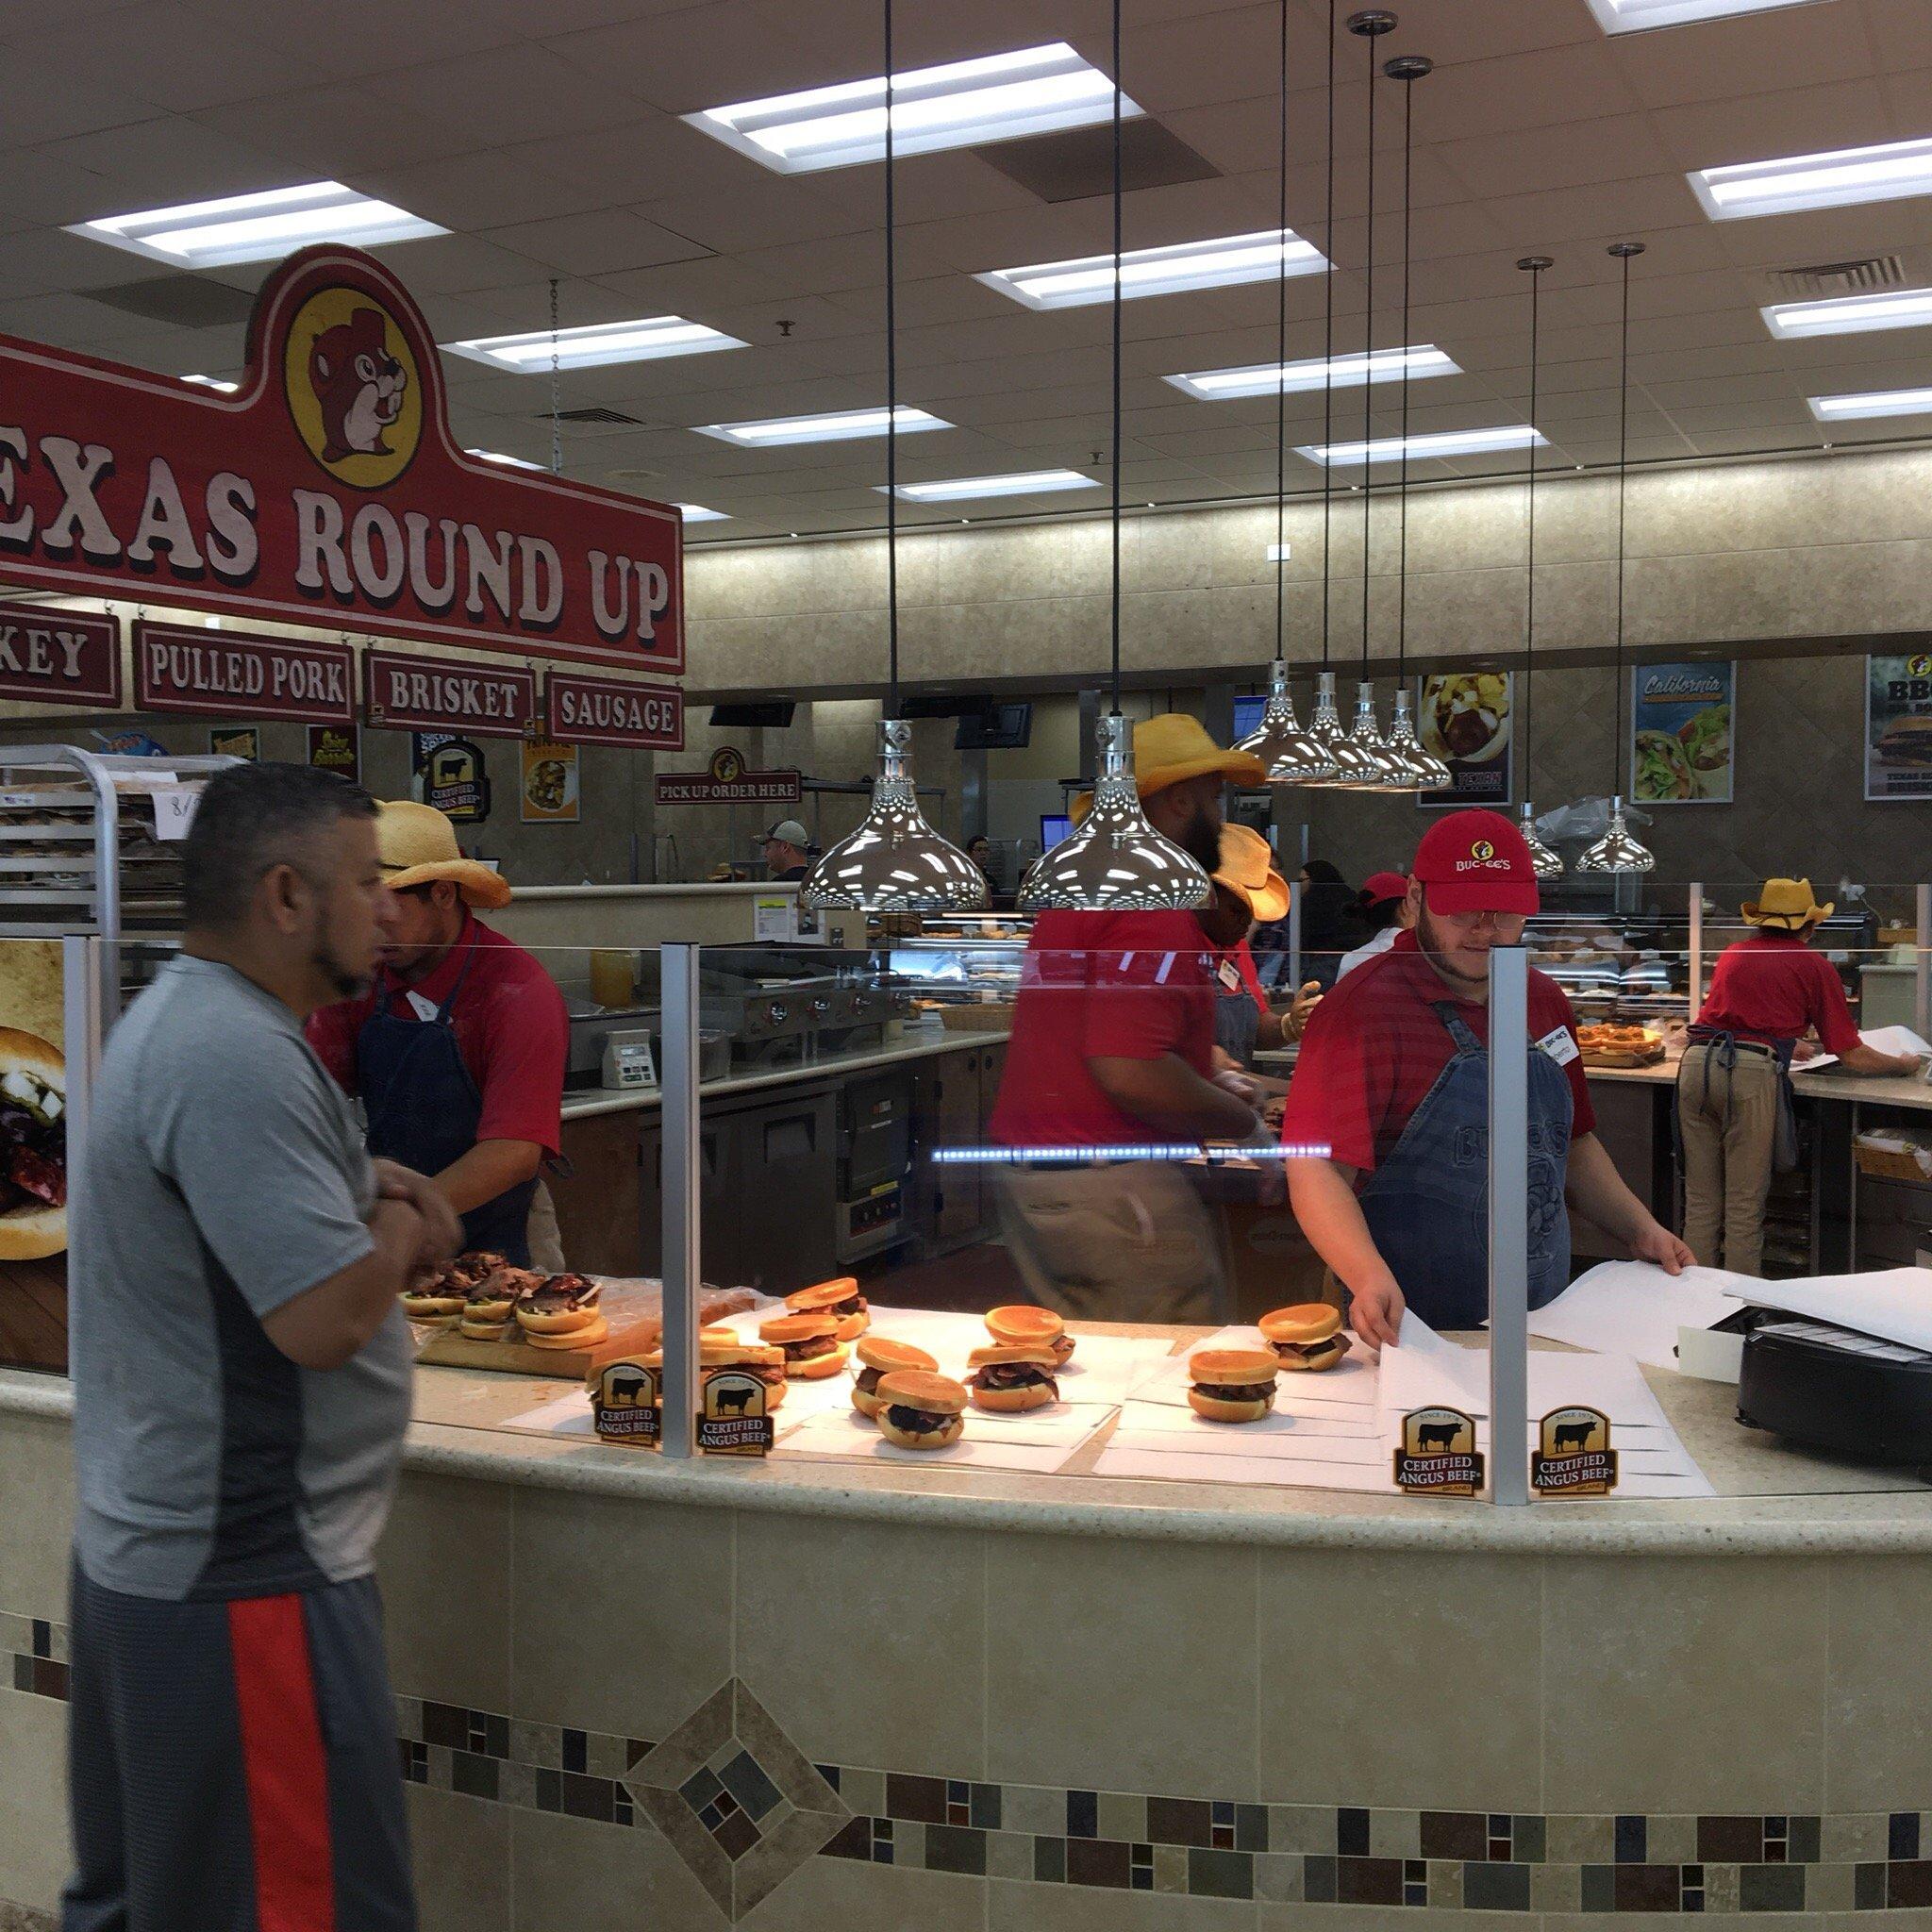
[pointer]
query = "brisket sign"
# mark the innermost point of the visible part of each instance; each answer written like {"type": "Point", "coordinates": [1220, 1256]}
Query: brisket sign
{"type": "Point", "coordinates": [59, 656]}
{"type": "Point", "coordinates": [600, 711]}
{"type": "Point", "coordinates": [327, 490]}
{"type": "Point", "coordinates": [231, 673]}
{"type": "Point", "coordinates": [442, 694]}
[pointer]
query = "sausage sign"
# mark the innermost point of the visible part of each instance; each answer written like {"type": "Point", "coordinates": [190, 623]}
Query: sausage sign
{"type": "Point", "coordinates": [326, 489]}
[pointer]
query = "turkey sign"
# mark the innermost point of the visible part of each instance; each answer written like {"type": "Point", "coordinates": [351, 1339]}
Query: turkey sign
{"type": "Point", "coordinates": [325, 490]}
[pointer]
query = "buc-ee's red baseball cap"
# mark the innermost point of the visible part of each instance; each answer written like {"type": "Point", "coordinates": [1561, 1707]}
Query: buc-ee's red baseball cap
{"type": "Point", "coordinates": [1476, 861]}
{"type": "Point", "coordinates": [1380, 887]}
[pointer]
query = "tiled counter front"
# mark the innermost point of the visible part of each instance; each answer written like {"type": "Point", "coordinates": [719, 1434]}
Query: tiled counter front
{"type": "Point", "coordinates": [618, 1714]}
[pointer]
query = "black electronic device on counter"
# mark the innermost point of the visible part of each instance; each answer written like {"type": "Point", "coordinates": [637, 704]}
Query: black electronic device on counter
{"type": "Point", "coordinates": [1831, 1389]}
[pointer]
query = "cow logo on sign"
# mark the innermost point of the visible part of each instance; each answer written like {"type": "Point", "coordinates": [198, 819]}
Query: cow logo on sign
{"type": "Point", "coordinates": [1573, 1454]}
{"type": "Point", "coordinates": [1437, 1455]}
{"type": "Point", "coordinates": [735, 1418]}
{"type": "Point", "coordinates": [353, 386]}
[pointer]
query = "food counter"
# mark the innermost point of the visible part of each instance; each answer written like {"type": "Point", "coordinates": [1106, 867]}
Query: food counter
{"type": "Point", "coordinates": [953, 1699]}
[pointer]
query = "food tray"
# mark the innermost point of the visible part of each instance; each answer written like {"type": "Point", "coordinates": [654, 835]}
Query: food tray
{"type": "Point", "coordinates": [1624, 1056]}
{"type": "Point", "coordinates": [995, 1018]}
{"type": "Point", "coordinates": [633, 1311]}
{"type": "Point", "coordinates": [1893, 1160]}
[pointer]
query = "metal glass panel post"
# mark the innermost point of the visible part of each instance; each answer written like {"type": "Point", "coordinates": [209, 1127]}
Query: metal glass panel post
{"type": "Point", "coordinates": [1922, 968]}
{"type": "Point", "coordinates": [1510, 1052]}
{"type": "Point", "coordinates": [1296, 890]}
{"type": "Point", "coordinates": [683, 1151]}
{"type": "Point", "coordinates": [85, 1021]}
{"type": "Point", "coordinates": [1696, 890]}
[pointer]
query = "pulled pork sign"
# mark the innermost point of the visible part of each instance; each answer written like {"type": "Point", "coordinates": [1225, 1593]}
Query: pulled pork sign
{"type": "Point", "coordinates": [229, 673]}
{"type": "Point", "coordinates": [327, 489]}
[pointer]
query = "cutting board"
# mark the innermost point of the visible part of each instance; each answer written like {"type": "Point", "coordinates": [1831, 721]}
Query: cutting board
{"type": "Point", "coordinates": [635, 1320]}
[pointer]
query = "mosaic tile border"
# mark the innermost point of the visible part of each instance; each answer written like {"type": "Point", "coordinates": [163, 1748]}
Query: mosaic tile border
{"type": "Point", "coordinates": [745, 1825]}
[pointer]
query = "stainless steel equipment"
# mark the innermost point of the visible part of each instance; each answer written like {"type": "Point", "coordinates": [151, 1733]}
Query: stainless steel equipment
{"type": "Point", "coordinates": [875, 1160]}
{"type": "Point", "coordinates": [775, 1013]}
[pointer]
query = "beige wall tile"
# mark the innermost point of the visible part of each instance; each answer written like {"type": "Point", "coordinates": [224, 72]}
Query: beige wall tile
{"type": "Point", "coordinates": [855, 1897]}
{"type": "Point", "coordinates": [1879, 1688]}
{"type": "Point", "coordinates": [590, 1877]}
{"type": "Point", "coordinates": [460, 1852]}
{"type": "Point", "coordinates": [1707, 1921]}
{"type": "Point", "coordinates": [1089, 1909]}
{"type": "Point", "coordinates": [448, 1544]}
{"type": "Point", "coordinates": [617, 1616]}
{"type": "Point", "coordinates": [908, 1602]}
{"type": "Point", "coordinates": [1179, 1719]}
{"type": "Point", "coordinates": [1453, 1645]}
{"type": "Point", "coordinates": [37, 1507]}
{"type": "Point", "coordinates": [33, 1799]}
{"type": "Point", "coordinates": [1732, 1650]}
{"type": "Point", "coordinates": [1268, 1918]}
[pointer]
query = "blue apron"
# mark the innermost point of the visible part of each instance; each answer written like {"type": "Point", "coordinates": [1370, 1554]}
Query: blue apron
{"type": "Point", "coordinates": [423, 1109]}
{"type": "Point", "coordinates": [1427, 1205]}
{"type": "Point", "coordinates": [1237, 1018]}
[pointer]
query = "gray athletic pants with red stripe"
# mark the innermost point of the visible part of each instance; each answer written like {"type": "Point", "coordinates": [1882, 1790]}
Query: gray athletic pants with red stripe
{"type": "Point", "coordinates": [233, 1766]}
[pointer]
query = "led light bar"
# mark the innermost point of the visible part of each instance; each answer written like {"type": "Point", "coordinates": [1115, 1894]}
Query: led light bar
{"type": "Point", "coordinates": [496, 456]}
{"type": "Point", "coordinates": [228, 389]}
{"type": "Point", "coordinates": [1894, 171]}
{"type": "Point", "coordinates": [1850, 315]}
{"type": "Point", "coordinates": [1634, 16]}
{"type": "Point", "coordinates": [1446, 443]}
{"type": "Point", "coordinates": [697, 513]}
{"type": "Point", "coordinates": [1879, 402]}
{"type": "Point", "coordinates": [596, 346]}
{"type": "Point", "coordinates": [837, 426]}
{"type": "Point", "coordinates": [1292, 378]}
{"type": "Point", "coordinates": [1216, 264]}
{"type": "Point", "coordinates": [997, 97]}
{"type": "Point", "coordinates": [1020, 483]}
{"type": "Point", "coordinates": [257, 227]}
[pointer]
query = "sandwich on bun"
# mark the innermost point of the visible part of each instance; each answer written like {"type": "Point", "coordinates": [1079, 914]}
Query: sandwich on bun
{"type": "Point", "coordinates": [839, 1298]}
{"type": "Point", "coordinates": [33, 1147]}
{"type": "Point", "coordinates": [877, 1358]}
{"type": "Point", "coordinates": [434, 1300]}
{"type": "Point", "coordinates": [721, 1351]}
{"type": "Point", "coordinates": [1013, 1378]}
{"type": "Point", "coordinates": [560, 1305]}
{"type": "Point", "coordinates": [1232, 1384]}
{"type": "Point", "coordinates": [1021, 1325]}
{"type": "Point", "coordinates": [919, 1411]}
{"type": "Point", "coordinates": [1308, 1336]}
{"type": "Point", "coordinates": [811, 1343]}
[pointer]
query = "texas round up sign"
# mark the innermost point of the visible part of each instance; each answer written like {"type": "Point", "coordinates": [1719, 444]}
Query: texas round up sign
{"type": "Point", "coordinates": [326, 490]}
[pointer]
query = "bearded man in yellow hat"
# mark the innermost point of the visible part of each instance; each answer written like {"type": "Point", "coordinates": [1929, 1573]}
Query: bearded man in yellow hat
{"type": "Point", "coordinates": [1769, 994]}
{"type": "Point", "coordinates": [1113, 1048]}
{"type": "Point", "coordinates": [457, 1053]}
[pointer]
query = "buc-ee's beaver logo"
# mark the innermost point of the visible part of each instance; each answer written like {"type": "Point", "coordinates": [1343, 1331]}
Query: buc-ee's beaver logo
{"type": "Point", "coordinates": [353, 389]}
{"type": "Point", "coordinates": [1919, 666]}
{"type": "Point", "coordinates": [1482, 851]}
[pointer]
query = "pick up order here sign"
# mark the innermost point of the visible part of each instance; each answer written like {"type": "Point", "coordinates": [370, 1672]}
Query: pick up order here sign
{"type": "Point", "coordinates": [326, 490]}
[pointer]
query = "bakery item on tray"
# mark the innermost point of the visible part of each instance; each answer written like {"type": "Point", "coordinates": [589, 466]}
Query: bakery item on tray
{"type": "Point", "coordinates": [920, 1411]}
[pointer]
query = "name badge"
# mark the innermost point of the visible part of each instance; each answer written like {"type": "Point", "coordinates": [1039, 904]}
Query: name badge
{"type": "Point", "coordinates": [1229, 976]}
{"type": "Point", "coordinates": [422, 1009]}
{"type": "Point", "coordinates": [1560, 1047]}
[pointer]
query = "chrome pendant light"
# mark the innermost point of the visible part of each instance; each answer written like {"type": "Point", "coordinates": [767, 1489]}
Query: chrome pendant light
{"type": "Point", "coordinates": [1619, 849]}
{"type": "Point", "coordinates": [1548, 866]}
{"type": "Point", "coordinates": [1292, 754]}
{"type": "Point", "coordinates": [1115, 861]}
{"type": "Point", "coordinates": [1421, 770]}
{"type": "Point", "coordinates": [895, 863]}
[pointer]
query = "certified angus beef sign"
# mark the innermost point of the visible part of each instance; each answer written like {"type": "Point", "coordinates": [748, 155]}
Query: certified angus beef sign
{"type": "Point", "coordinates": [327, 489]}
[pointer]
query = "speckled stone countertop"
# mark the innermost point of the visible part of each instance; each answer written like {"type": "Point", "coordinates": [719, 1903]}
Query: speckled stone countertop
{"type": "Point", "coordinates": [1772, 1500]}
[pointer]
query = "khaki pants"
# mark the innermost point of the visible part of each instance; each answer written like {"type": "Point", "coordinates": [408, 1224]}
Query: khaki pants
{"type": "Point", "coordinates": [1131, 1243]}
{"type": "Point", "coordinates": [546, 1244]}
{"type": "Point", "coordinates": [1729, 1139]}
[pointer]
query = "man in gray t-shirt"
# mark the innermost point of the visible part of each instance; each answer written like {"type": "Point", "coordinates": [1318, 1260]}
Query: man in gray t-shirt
{"type": "Point", "coordinates": [241, 1386]}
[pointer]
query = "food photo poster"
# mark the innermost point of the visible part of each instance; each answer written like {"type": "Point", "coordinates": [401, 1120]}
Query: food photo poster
{"type": "Point", "coordinates": [1682, 720]}
{"type": "Point", "coordinates": [1467, 719]}
{"type": "Point", "coordinates": [1898, 727]}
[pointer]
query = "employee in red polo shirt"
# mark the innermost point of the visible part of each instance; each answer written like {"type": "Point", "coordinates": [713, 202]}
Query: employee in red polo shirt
{"type": "Point", "coordinates": [1767, 993]}
{"type": "Point", "coordinates": [1393, 1080]}
{"type": "Point", "coordinates": [457, 1053]}
{"type": "Point", "coordinates": [1113, 1048]}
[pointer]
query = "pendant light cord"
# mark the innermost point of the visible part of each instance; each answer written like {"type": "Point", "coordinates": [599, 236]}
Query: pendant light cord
{"type": "Point", "coordinates": [1116, 237]}
{"type": "Point", "coordinates": [1627, 251]}
{"type": "Point", "coordinates": [1368, 356]}
{"type": "Point", "coordinates": [1328, 358]}
{"type": "Point", "coordinates": [1535, 292]}
{"type": "Point", "coordinates": [892, 399]}
{"type": "Point", "coordinates": [1281, 375]}
{"type": "Point", "coordinates": [1408, 243]}
{"type": "Point", "coordinates": [556, 391]}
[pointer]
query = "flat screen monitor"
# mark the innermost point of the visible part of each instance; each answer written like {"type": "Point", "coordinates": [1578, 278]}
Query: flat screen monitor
{"type": "Point", "coordinates": [1247, 716]}
{"type": "Point", "coordinates": [1054, 826]}
{"type": "Point", "coordinates": [998, 727]}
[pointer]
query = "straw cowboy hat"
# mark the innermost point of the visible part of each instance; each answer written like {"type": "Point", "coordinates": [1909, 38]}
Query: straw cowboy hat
{"type": "Point", "coordinates": [1248, 870]}
{"type": "Point", "coordinates": [1169, 749]}
{"type": "Point", "coordinates": [418, 845]}
{"type": "Point", "coordinates": [1786, 905]}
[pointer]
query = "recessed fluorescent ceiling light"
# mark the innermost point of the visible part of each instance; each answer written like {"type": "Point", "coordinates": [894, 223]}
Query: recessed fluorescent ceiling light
{"type": "Point", "coordinates": [596, 346]}
{"type": "Point", "coordinates": [836, 425]}
{"type": "Point", "coordinates": [257, 227]}
{"type": "Point", "coordinates": [496, 456]}
{"type": "Point", "coordinates": [1850, 315]}
{"type": "Point", "coordinates": [1217, 264]}
{"type": "Point", "coordinates": [1291, 379]}
{"type": "Point", "coordinates": [1894, 171]}
{"type": "Point", "coordinates": [1882, 402]}
{"type": "Point", "coordinates": [1020, 483]}
{"type": "Point", "coordinates": [1633, 16]}
{"type": "Point", "coordinates": [999, 97]}
{"type": "Point", "coordinates": [697, 513]}
{"type": "Point", "coordinates": [228, 389]}
{"type": "Point", "coordinates": [1448, 442]}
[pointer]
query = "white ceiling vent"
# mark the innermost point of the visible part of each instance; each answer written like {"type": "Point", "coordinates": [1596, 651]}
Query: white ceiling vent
{"type": "Point", "coordinates": [1825, 279]}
